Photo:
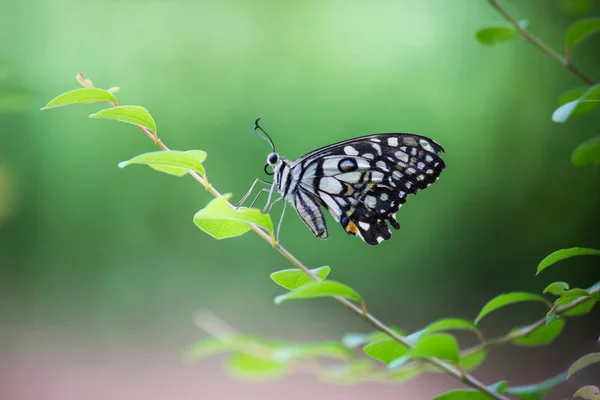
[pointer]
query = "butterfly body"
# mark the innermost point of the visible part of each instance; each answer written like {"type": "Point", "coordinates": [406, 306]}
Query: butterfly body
{"type": "Point", "coordinates": [362, 182]}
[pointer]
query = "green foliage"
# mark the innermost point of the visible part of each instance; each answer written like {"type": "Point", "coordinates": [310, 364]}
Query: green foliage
{"type": "Point", "coordinates": [537, 391]}
{"type": "Point", "coordinates": [588, 392]}
{"type": "Point", "coordinates": [541, 336]}
{"type": "Point", "coordinates": [581, 309]}
{"type": "Point", "coordinates": [292, 279]}
{"type": "Point", "coordinates": [507, 299]}
{"type": "Point", "coordinates": [583, 362]}
{"type": "Point", "coordinates": [353, 339]}
{"type": "Point", "coordinates": [13, 101]}
{"type": "Point", "coordinates": [580, 31]}
{"type": "Point", "coordinates": [497, 34]}
{"type": "Point", "coordinates": [447, 324]}
{"type": "Point", "coordinates": [171, 162]}
{"type": "Point", "coordinates": [470, 394]}
{"type": "Point", "coordinates": [320, 289]}
{"type": "Point", "coordinates": [587, 153]}
{"type": "Point", "coordinates": [556, 288]}
{"type": "Point", "coordinates": [131, 114]}
{"type": "Point", "coordinates": [385, 350]}
{"type": "Point", "coordinates": [439, 345]}
{"type": "Point", "coordinates": [246, 366]}
{"type": "Point", "coordinates": [563, 254]}
{"type": "Point", "coordinates": [81, 96]}
{"type": "Point", "coordinates": [220, 220]}
{"type": "Point", "coordinates": [473, 360]}
{"type": "Point", "coordinates": [585, 103]}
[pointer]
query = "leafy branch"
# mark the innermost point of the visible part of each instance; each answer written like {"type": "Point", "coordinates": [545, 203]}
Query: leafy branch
{"type": "Point", "coordinates": [564, 60]}
{"type": "Point", "coordinates": [406, 356]}
{"type": "Point", "coordinates": [141, 118]}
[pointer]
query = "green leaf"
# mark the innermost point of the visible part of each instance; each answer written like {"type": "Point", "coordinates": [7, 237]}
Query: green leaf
{"type": "Point", "coordinates": [471, 361]}
{"type": "Point", "coordinates": [498, 34]}
{"type": "Point", "coordinates": [172, 162]}
{"type": "Point", "coordinates": [81, 96]}
{"type": "Point", "coordinates": [320, 289]}
{"type": "Point", "coordinates": [131, 114]}
{"type": "Point", "coordinates": [587, 153]}
{"type": "Point", "coordinates": [580, 31]}
{"type": "Point", "coordinates": [537, 391]}
{"type": "Point", "coordinates": [447, 324]}
{"type": "Point", "coordinates": [583, 362]}
{"type": "Point", "coordinates": [588, 392]}
{"type": "Point", "coordinates": [385, 350]}
{"type": "Point", "coordinates": [588, 101]}
{"type": "Point", "coordinates": [581, 309]}
{"type": "Point", "coordinates": [330, 349]}
{"type": "Point", "coordinates": [462, 394]}
{"type": "Point", "coordinates": [221, 221]}
{"type": "Point", "coordinates": [563, 254]}
{"type": "Point", "coordinates": [543, 335]}
{"type": "Point", "coordinates": [439, 345]}
{"type": "Point", "coordinates": [507, 299]}
{"type": "Point", "coordinates": [556, 288]}
{"type": "Point", "coordinates": [353, 339]}
{"type": "Point", "coordinates": [213, 345]}
{"type": "Point", "coordinates": [405, 374]}
{"type": "Point", "coordinates": [498, 387]}
{"type": "Point", "coordinates": [293, 278]}
{"type": "Point", "coordinates": [574, 94]}
{"type": "Point", "coordinates": [245, 366]}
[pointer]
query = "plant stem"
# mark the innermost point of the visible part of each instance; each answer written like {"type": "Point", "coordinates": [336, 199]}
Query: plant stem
{"type": "Point", "coordinates": [566, 62]}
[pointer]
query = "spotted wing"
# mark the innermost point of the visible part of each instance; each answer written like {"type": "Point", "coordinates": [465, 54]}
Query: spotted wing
{"type": "Point", "coordinates": [364, 181]}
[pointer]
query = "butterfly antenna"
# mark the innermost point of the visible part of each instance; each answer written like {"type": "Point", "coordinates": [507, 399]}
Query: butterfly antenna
{"type": "Point", "coordinates": [263, 134]}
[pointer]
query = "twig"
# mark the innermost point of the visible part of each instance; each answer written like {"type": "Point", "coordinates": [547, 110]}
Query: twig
{"type": "Point", "coordinates": [526, 330]}
{"type": "Point", "coordinates": [541, 45]}
{"type": "Point", "coordinates": [377, 324]}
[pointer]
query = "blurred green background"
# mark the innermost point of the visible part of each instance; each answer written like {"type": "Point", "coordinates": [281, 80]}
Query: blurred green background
{"type": "Point", "coordinates": [100, 258]}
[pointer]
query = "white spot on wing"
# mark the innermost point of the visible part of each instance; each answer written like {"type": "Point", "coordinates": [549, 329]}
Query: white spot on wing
{"type": "Point", "coordinates": [379, 239]}
{"type": "Point", "coordinates": [382, 165]}
{"type": "Point", "coordinates": [350, 177]}
{"type": "Point", "coordinates": [364, 225]}
{"type": "Point", "coordinates": [351, 151]}
{"type": "Point", "coordinates": [370, 201]}
{"type": "Point", "coordinates": [397, 174]}
{"type": "Point", "coordinates": [368, 156]}
{"type": "Point", "coordinates": [376, 176]}
{"type": "Point", "coordinates": [375, 140]}
{"type": "Point", "coordinates": [383, 196]}
{"type": "Point", "coordinates": [393, 141]}
{"type": "Point", "coordinates": [421, 165]}
{"type": "Point", "coordinates": [402, 156]}
{"type": "Point", "coordinates": [377, 148]}
{"type": "Point", "coordinates": [330, 185]}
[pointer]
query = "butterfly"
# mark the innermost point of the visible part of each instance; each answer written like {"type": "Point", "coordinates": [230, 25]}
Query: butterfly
{"type": "Point", "coordinates": [361, 182]}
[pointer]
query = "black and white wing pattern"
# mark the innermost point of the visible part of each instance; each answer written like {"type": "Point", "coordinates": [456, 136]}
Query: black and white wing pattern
{"type": "Point", "coordinates": [363, 182]}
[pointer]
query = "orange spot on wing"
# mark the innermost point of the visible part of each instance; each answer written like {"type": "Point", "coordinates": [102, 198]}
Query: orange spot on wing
{"type": "Point", "coordinates": [351, 228]}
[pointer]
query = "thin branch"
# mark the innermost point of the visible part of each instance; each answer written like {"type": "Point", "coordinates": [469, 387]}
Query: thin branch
{"type": "Point", "coordinates": [541, 45]}
{"type": "Point", "coordinates": [450, 369]}
{"type": "Point", "coordinates": [526, 330]}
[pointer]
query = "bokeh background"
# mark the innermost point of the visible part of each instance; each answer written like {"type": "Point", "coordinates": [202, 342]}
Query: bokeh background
{"type": "Point", "coordinates": [101, 269]}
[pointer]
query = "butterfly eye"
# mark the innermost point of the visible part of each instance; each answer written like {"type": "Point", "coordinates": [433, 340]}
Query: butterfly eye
{"type": "Point", "coordinates": [272, 158]}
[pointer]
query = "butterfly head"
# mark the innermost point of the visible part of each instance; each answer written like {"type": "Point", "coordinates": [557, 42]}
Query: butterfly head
{"type": "Point", "coordinates": [273, 159]}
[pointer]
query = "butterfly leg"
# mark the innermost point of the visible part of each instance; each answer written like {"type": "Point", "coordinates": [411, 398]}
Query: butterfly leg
{"type": "Point", "coordinates": [269, 198]}
{"type": "Point", "coordinates": [280, 219]}
{"type": "Point", "coordinates": [239, 203]}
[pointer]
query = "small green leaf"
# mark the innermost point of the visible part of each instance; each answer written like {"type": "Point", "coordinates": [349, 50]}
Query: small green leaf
{"type": "Point", "coordinates": [580, 31]}
{"type": "Point", "coordinates": [543, 335]}
{"type": "Point", "coordinates": [447, 324]}
{"type": "Point", "coordinates": [213, 345]}
{"type": "Point", "coordinates": [588, 392]}
{"type": "Point", "coordinates": [581, 309]}
{"type": "Point", "coordinates": [588, 101]}
{"type": "Point", "coordinates": [245, 366]}
{"type": "Point", "coordinates": [81, 96]}
{"type": "Point", "coordinates": [131, 114]}
{"type": "Point", "coordinates": [439, 345]}
{"type": "Point", "coordinates": [498, 34]}
{"type": "Point", "coordinates": [221, 221]}
{"type": "Point", "coordinates": [507, 299]}
{"type": "Point", "coordinates": [556, 288]}
{"type": "Point", "coordinates": [462, 394]}
{"type": "Point", "coordinates": [333, 350]}
{"type": "Point", "coordinates": [405, 374]}
{"type": "Point", "coordinates": [537, 391]}
{"type": "Point", "coordinates": [587, 153]}
{"type": "Point", "coordinates": [583, 362]}
{"type": "Point", "coordinates": [498, 387]}
{"type": "Point", "coordinates": [563, 254]}
{"type": "Point", "coordinates": [471, 361]}
{"type": "Point", "coordinates": [172, 162]}
{"type": "Point", "coordinates": [353, 339]}
{"type": "Point", "coordinates": [574, 94]}
{"type": "Point", "coordinates": [293, 278]}
{"type": "Point", "coordinates": [320, 289]}
{"type": "Point", "coordinates": [385, 350]}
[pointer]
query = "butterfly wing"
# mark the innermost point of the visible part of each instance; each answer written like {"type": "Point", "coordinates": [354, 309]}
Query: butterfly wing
{"type": "Point", "coordinates": [363, 182]}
